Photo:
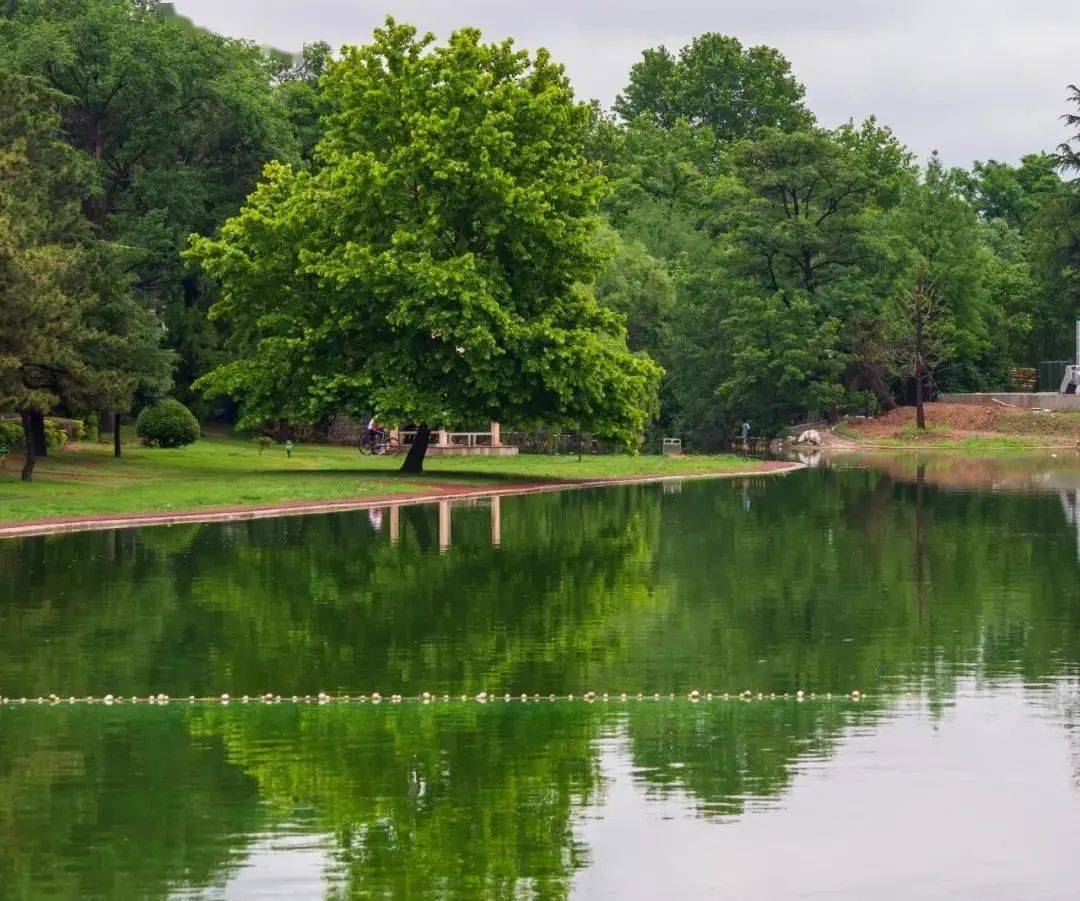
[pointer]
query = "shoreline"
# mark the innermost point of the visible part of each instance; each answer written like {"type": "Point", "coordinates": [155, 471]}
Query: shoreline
{"type": "Point", "coordinates": [72, 524]}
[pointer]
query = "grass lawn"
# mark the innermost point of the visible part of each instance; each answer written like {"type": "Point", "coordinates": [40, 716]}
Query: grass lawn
{"type": "Point", "coordinates": [221, 472]}
{"type": "Point", "coordinates": [976, 445]}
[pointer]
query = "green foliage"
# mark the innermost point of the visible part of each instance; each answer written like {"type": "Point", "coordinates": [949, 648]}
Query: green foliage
{"type": "Point", "coordinates": [56, 436]}
{"type": "Point", "coordinates": [424, 238]}
{"type": "Point", "coordinates": [73, 333]}
{"type": "Point", "coordinates": [174, 125]}
{"type": "Point", "coordinates": [11, 434]}
{"type": "Point", "coordinates": [168, 423]}
{"type": "Point", "coordinates": [91, 426]}
{"type": "Point", "coordinates": [73, 429]}
{"type": "Point", "coordinates": [437, 265]}
{"type": "Point", "coordinates": [913, 433]}
{"type": "Point", "coordinates": [716, 82]}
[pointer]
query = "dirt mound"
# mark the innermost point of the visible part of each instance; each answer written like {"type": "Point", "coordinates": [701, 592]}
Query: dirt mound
{"type": "Point", "coordinates": [940, 417]}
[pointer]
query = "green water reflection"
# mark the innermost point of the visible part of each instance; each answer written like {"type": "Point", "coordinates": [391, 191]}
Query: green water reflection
{"type": "Point", "coordinates": [889, 577]}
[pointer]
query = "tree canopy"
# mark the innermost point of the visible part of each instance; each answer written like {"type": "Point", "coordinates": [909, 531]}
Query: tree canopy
{"type": "Point", "coordinates": [443, 234]}
{"type": "Point", "coordinates": [437, 266]}
{"type": "Point", "coordinates": [716, 82]}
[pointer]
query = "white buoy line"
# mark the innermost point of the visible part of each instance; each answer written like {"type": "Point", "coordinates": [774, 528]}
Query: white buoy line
{"type": "Point", "coordinates": [323, 698]}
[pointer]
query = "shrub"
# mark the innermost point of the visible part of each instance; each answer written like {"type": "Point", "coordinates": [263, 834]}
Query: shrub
{"type": "Point", "coordinates": [55, 436]}
{"type": "Point", "coordinates": [167, 423]}
{"type": "Point", "coordinates": [91, 427]}
{"type": "Point", "coordinates": [11, 434]}
{"type": "Point", "coordinates": [73, 429]}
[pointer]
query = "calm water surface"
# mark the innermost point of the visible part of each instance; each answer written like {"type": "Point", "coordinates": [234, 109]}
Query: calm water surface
{"type": "Point", "coordinates": [948, 592]}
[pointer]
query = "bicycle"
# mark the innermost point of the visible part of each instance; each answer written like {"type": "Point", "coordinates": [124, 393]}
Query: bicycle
{"type": "Point", "coordinates": [378, 446]}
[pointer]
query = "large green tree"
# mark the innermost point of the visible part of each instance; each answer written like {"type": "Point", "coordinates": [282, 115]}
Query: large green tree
{"type": "Point", "coordinates": [74, 335]}
{"type": "Point", "coordinates": [42, 296]}
{"type": "Point", "coordinates": [177, 122]}
{"type": "Point", "coordinates": [716, 82]}
{"type": "Point", "coordinates": [437, 266]}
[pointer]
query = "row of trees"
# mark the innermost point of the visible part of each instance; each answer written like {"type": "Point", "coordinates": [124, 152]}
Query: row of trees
{"type": "Point", "coordinates": [444, 234]}
{"type": "Point", "coordinates": [800, 263]}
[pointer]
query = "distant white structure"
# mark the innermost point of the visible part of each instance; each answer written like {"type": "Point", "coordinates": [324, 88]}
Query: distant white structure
{"type": "Point", "coordinates": [1070, 383]}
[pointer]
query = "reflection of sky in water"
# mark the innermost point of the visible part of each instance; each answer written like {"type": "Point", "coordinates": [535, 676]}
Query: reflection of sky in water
{"type": "Point", "coordinates": [974, 800]}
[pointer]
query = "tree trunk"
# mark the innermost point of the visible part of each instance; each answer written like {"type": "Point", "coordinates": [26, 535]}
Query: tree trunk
{"type": "Point", "coordinates": [116, 434]}
{"type": "Point", "coordinates": [881, 392]}
{"type": "Point", "coordinates": [920, 369]}
{"type": "Point", "coordinates": [920, 412]}
{"type": "Point", "coordinates": [28, 436]}
{"type": "Point", "coordinates": [37, 427]}
{"type": "Point", "coordinates": [414, 460]}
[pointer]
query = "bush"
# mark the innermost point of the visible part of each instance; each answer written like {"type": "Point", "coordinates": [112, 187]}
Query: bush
{"type": "Point", "coordinates": [11, 434]}
{"type": "Point", "coordinates": [167, 423]}
{"type": "Point", "coordinates": [73, 429]}
{"type": "Point", "coordinates": [55, 436]}
{"type": "Point", "coordinates": [90, 427]}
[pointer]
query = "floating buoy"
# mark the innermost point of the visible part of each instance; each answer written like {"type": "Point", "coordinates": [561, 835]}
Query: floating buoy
{"type": "Point", "coordinates": [225, 699]}
{"type": "Point", "coordinates": [482, 697]}
{"type": "Point", "coordinates": [694, 696]}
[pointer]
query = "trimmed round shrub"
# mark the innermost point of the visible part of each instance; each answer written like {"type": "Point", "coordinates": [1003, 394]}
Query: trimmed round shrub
{"type": "Point", "coordinates": [167, 423]}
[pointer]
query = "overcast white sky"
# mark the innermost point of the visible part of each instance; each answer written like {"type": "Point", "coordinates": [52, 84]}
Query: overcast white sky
{"type": "Point", "coordinates": [975, 80]}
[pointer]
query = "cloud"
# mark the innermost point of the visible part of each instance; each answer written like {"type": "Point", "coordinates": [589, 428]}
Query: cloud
{"type": "Point", "coordinates": [974, 80]}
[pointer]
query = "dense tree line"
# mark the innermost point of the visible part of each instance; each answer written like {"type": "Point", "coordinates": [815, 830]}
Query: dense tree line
{"type": "Point", "coordinates": [792, 251]}
{"type": "Point", "coordinates": [766, 262]}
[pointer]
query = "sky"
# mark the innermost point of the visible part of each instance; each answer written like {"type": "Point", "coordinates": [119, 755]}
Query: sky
{"type": "Point", "coordinates": [973, 80]}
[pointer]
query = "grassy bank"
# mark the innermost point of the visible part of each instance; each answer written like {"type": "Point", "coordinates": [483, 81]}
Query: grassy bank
{"type": "Point", "coordinates": [220, 472]}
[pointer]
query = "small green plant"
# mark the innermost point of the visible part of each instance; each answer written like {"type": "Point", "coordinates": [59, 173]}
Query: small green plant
{"type": "Point", "coordinates": [264, 442]}
{"type": "Point", "coordinates": [911, 432]}
{"type": "Point", "coordinates": [167, 423]}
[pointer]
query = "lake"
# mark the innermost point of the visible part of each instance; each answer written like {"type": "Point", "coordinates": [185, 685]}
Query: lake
{"type": "Point", "coordinates": [945, 591]}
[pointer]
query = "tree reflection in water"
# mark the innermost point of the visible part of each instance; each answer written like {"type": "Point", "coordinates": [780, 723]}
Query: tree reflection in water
{"type": "Point", "coordinates": [885, 581]}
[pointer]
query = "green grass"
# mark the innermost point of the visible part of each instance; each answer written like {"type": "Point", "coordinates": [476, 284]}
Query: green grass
{"type": "Point", "coordinates": [1063, 424]}
{"type": "Point", "coordinates": [222, 472]}
{"type": "Point", "coordinates": [978, 445]}
{"type": "Point", "coordinates": [911, 432]}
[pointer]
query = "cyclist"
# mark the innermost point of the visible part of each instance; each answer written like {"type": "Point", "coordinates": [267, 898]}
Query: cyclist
{"type": "Point", "coordinates": [375, 432]}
